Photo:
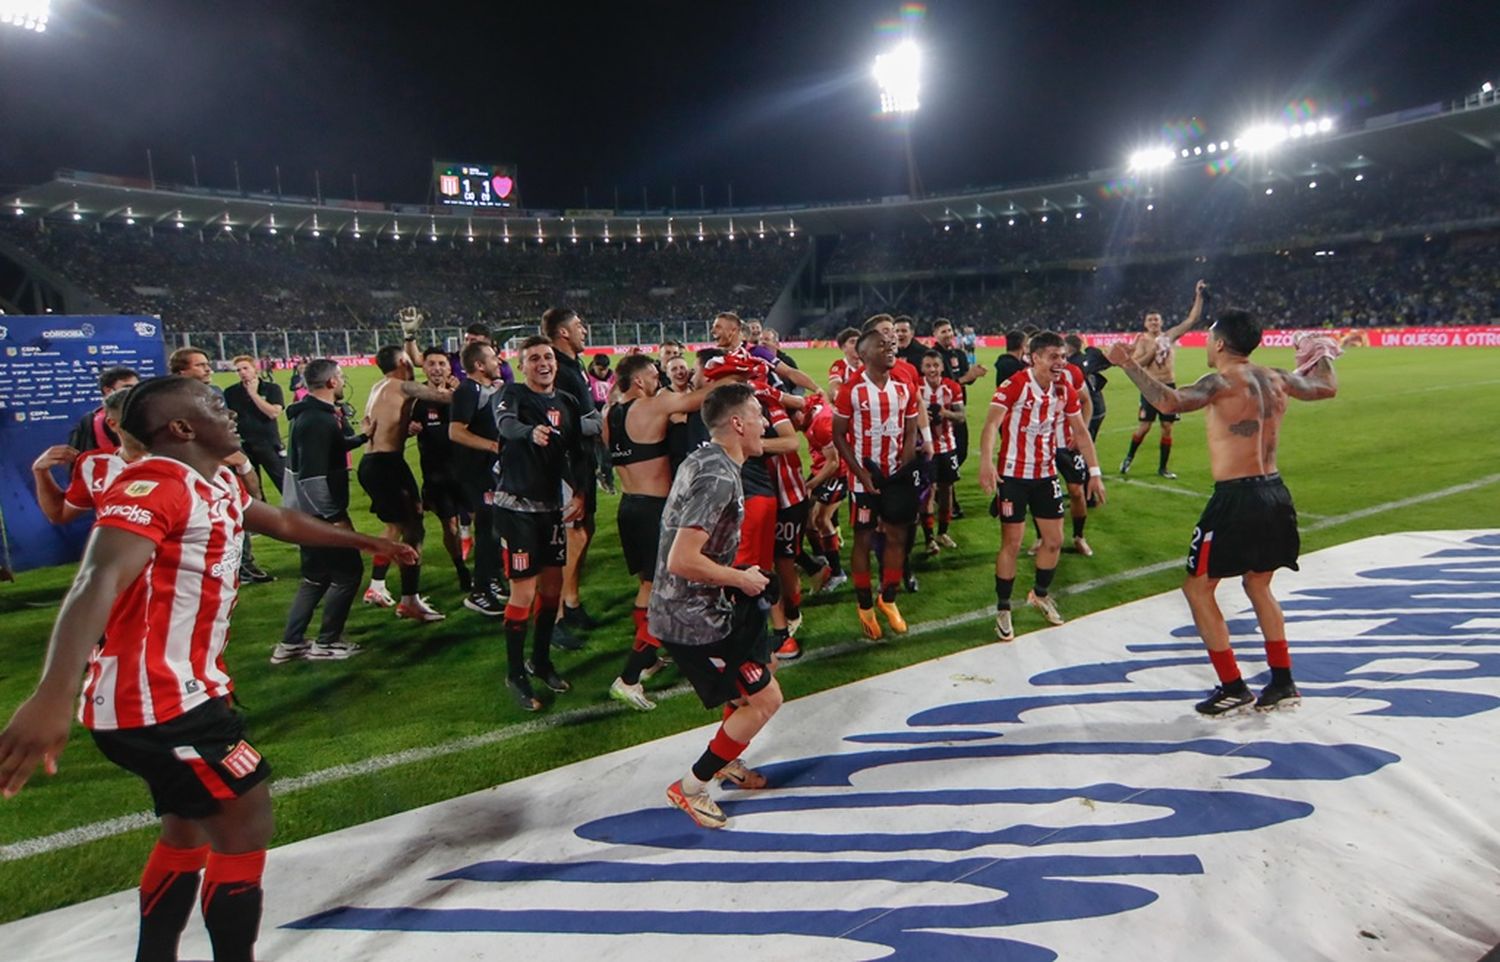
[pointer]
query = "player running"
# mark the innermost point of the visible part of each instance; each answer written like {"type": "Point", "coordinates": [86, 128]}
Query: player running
{"type": "Point", "coordinates": [1024, 413]}
{"type": "Point", "coordinates": [158, 582]}
{"type": "Point", "coordinates": [635, 431]}
{"type": "Point", "coordinates": [387, 478]}
{"type": "Point", "coordinates": [1249, 528]}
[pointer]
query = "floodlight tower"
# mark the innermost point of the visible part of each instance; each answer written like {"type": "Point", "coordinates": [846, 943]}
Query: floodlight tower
{"type": "Point", "coordinates": [26, 14]}
{"type": "Point", "coordinates": [898, 72]}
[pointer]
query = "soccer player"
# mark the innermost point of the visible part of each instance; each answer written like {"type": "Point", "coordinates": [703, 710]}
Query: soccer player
{"type": "Point", "coordinates": [476, 449]}
{"type": "Point", "coordinates": [635, 429]}
{"type": "Point", "coordinates": [1156, 351]}
{"type": "Point", "coordinates": [679, 374]}
{"type": "Point", "coordinates": [875, 432]}
{"type": "Point", "coordinates": [843, 368]}
{"type": "Point", "coordinates": [908, 348]}
{"type": "Point", "coordinates": [387, 478]}
{"type": "Point", "coordinates": [1093, 363]}
{"type": "Point", "coordinates": [91, 433]}
{"type": "Point", "coordinates": [441, 492]}
{"type": "Point", "coordinates": [257, 404]}
{"type": "Point", "coordinates": [907, 373]}
{"type": "Point", "coordinates": [1024, 412]}
{"type": "Point", "coordinates": [1071, 466]}
{"type": "Point", "coordinates": [93, 471]}
{"type": "Point", "coordinates": [541, 446]}
{"type": "Point", "coordinates": [671, 349]}
{"type": "Point", "coordinates": [569, 336]}
{"type": "Point", "coordinates": [956, 366]}
{"type": "Point", "coordinates": [719, 644]}
{"type": "Point", "coordinates": [318, 485]}
{"type": "Point", "coordinates": [157, 581]}
{"type": "Point", "coordinates": [943, 399]}
{"type": "Point", "coordinates": [829, 484]}
{"type": "Point", "coordinates": [1249, 528]}
{"type": "Point", "coordinates": [728, 334]}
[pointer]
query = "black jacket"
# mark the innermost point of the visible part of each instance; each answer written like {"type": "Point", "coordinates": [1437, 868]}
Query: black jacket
{"type": "Point", "coordinates": [317, 466]}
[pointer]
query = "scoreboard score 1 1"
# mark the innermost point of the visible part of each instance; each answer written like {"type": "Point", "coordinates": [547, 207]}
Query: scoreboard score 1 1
{"type": "Point", "coordinates": [476, 185]}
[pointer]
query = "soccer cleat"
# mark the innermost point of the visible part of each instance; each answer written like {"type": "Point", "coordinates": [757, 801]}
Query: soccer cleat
{"type": "Point", "coordinates": [574, 616]}
{"type": "Point", "coordinates": [547, 675]}
{"type": "Point", "coordinates": [419, 610]}
{"type": "Point", "coordinates": [484, 603]}
{"type": "Point", "coordinates": [1125, 466]}
{"type": "Point", "coordinates": [792, 624]}
{"type": "Point", "coordinates": [892, 615]}
{"type": "Point", "coordinates": [1082, 547]}
{"type": "Point", "coordinates": [284, 652]}
{"type": "Point", "coordinates": [379, 597]}
{"type": "Point", "coordinates": [1035, 547]}
{"type": "Point", "coordinates": [1275, 696]}
{"type": "Point", "coordinates": [868, 623]}
{"type": "Point", "coordinates": [254, 573]}
{"type": "Point", "coordinates": [834, 583]}
{"type": "Point", "coordinates": [909, 583]}
{"type": "Point", "coordinates": [789, 650]}
{"type": "Point", "coordinates": [933, 548]}
{"type": "Point", "coordinates": [632, 695]}
{"type": "Point", "coordinates": [740, 775]}
{"type": "Point", "coordinates": [656, 667]}
{"type": "Point", "coordinates": [1169, 475]}
{"type": "Point", "coordinates": [700, 807]}
{"type": "Point", "coordinates": [333, 650]}
{"type": "Point", "coordinates": [1225, 700]}
{"type": "Point", "coordinates": [821, 579]}
{"type": "Point", "coordinates": [526, 699]}
{"type": "Point", "coordinates": [565, 639]}
{"type": "Point", "coordinates": [946, 541]}
{"type": "Point", "coordinates": [1045, 605]}
{"type": "Point", "coordinates": [1004, 630]}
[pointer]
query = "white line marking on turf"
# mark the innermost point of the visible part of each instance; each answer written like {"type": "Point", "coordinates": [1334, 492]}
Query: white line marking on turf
{"type": "Point", "coordinates": [1188, 492]}
{"type": "Point", "coordinates": [127, 823]}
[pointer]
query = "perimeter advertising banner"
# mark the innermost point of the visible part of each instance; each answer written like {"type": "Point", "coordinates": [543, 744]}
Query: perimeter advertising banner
{"type": "Point", "coordinates": [49, 367]}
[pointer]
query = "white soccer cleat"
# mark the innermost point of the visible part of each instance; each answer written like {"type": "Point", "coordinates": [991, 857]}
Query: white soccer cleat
{"type": "Point", "coordinates": [379, 597]}
{"type": "Point", "coordinates": [632, 695]}
{"type": "Point", "coordinates": [1004, 631]}
{"type": "Point", "coordinates": [1082, 547]}
{"type": "Point", "coordinates": [1045, 605]}
{"type": "Point", "coordinates": [419, 610]}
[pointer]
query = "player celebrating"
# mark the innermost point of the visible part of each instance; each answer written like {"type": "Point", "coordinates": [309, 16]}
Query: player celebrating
{"type": "Point", "coordinates": [843, 368]}
{"type": "Point", "coordinates": [943, 399]}
{"type": "Point", "coordinates": [157, 582]}
{"type": "Point", "coordinates": [635, 430]}
{"type": "Point", "coordinates": [387, 479]}
{"type": "Point", "coordinates": [1071, 466]}
{"type": "Point", "coordinates": [875, 432]}
{"type": "Point", "coordinates": [1156, 351]}
{"type": "Point", "coordinates": [690, 608]}
{"type": "Point", "coordinates": [441, 492]}
{"type": "Point", "coordinates": [476, 448]}
{"type": "Point", "coordinates": [1249, 528]}
{"type": "Point", "coordinates": [1025, 410]}
{"type": "Point", "coordinates": [829, 484]}
{"type": "Point", "coordinates": [93, 471]}
{"type": "Point", "coordinates": [541, 446]}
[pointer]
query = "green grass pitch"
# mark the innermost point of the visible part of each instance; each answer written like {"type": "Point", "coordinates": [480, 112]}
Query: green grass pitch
{"type": "Point", "coordinates": [1407, 422]}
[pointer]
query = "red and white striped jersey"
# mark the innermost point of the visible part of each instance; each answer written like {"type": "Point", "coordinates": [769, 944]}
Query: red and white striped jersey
{"type": "Point", "coordinates": [93, 473]}
{"type": "Point", "coordinates": [820, 436]}
{"type": "Point", "coordinates": [791, 486]}
{"type": "Point", "coordinates": [162, 653]}
{"type": "Point", "coordinates": [841, 371]}
{"type": "Point", "coordinates": [947, 392]}
{"type": "Point", "coordinates": [1073, 374]}
{"type": "Point", "coordinates": [1028, 435]}
{"type": "Point", "coordinates": [877, 420]}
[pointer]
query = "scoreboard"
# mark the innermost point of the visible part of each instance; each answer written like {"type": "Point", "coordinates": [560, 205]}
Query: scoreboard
{"type": "Point", "coordinates": [476, 185]}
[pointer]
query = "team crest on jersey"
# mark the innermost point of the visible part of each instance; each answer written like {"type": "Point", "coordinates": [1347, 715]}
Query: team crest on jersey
{"type": "Point", "coordinates": [242, 760]}
{"type": "Point", "coordinates": [751, 672]}
{"type": "Point", "coordinates": [1007, 508]}
{"type": "Point", "coordinates": [520, 560]}
{"type": "Point", "coordinates": [139, 489]}
{"type": "Point", "coordinates": [864, 515]}
{"type": "Point", "coordinates": [554, 417]}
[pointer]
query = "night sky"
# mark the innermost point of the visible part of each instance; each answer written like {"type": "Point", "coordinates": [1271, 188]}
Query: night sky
{"type": "Point", "coordinates": [773, 98]}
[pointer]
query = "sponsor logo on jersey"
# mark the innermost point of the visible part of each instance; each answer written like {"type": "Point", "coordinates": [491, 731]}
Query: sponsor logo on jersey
{"type": "Point", "coordinates": [133, 513]}
{"type": "Point", "coordinates": [242, 760]}
{"type": "Point", "coordinates": [139, 489]}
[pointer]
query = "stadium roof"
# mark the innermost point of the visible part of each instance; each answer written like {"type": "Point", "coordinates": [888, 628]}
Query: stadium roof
{"type": "Point", "coordinates": [1423, 136]}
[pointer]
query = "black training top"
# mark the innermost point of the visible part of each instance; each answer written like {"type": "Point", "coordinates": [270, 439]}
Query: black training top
{"type": "Point", "coordinates": [474, 407]}
{"type": "Point", "coordinates": [253, 423]}
{"type": "Point", "coordinates": [433, 445]}
{"type": "Point", "coordinates": [623, 449]}
{"type": "Point", "coordinates": [532, 472]}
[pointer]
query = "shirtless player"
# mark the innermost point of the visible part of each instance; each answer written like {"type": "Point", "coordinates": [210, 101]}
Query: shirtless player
{"type": "Point", "coordinates": [387, 478]}
{"type": "Point", "coordinates": [1155, 351]}
{"type": "Point", "coordinates": [635, 432]}
{"type": "Point", "coordinates": [1249, 528]}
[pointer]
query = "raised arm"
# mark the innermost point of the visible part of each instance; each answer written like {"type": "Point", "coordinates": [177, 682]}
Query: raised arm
{"type": "Point", "coordinates": [49, 496]}
{"type": "Point", "coordinates": [1319, 383]}
{"type": "Point", "coordinates": [1194, 315]}
{"type": "Point", "coordinates": [1165, 399]}
{"type": "Point", "coordinates": [426, 392]}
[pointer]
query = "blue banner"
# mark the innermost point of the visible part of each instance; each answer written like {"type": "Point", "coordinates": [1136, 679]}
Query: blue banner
{"type": "Point", "coordinates": [49, 368]}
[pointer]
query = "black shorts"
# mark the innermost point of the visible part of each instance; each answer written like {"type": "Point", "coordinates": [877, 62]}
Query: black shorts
{"type": "Point", "coordinates": [387, 479]}
{"type": "Point", "coordinates": [444, 497]}
{"type": "Point", "coordinates": [531, 541]}
{"type": "Point", "coordinates": [831, 491]}
{"type": "Point", "coordinates": [945, 467]}
{"type": "Point", "coordinates": [790, 523]}
{"type": "Point", "coordinates": [1071, 465]}
{"type": "Point", "coordinates": [739, 666]}
{"type": "Point", "coordinates": [1042, 496]}
{"type": "Point", "coordinates": [192, 763]}
{"type": "Point", "coordinates": [639, 520]}
{"type": "Point", "coordinates": [961, 439]}
{"type": "Point", "coordinates": [1149, 413]}
{"type": "Point", "coordinates": [895, 503]}
{"type": "Point", "coordinates": [1249, 524]}
{"type": "Point", "coordinates": [590, 507]}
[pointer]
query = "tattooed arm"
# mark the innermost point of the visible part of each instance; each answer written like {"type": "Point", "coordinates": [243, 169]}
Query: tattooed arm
{"type": "Point", "coordinates": [1165, 399]}
{"type": "Point", "coordinates": [1317, 384]}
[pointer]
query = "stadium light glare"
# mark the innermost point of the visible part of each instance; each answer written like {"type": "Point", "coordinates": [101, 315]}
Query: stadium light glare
{"type": "Point", "coordinates": [26, 14]}
{"type": "Point", "coordinates": [1270, 191]}
{"type": "Point", "coordinates": [273, 232]}
{"type": "Point", "coordinates": [77, 216]}
{"type": "Point", "coordinates": [1151, 207]}
{"type": "Point", "coordinates": [1357, 179]}
{"type": "Point", "coordinates": [1486, 88]}
{"type": "Point", "coordinates": [179, 225]}
{"type": "Point", "coordinates": [898, 72]}
{"type": "Point", "coordinates": [1078, 215]}
{"type": "Point", "coordinates": [1152, 158]}
{"type": "Point", "coordinates": [1312, 185]}
{"type": "Point", "coordinates": [20, 212]}
{"type": "Point", "coordinates": [1213, 148]}
{"type": "Point", "coordinates": [1011, 222]}
{"type": "Point", "coordinates": [1044, 218]}
{"type": "Point", "coordinates": [1326, 124]}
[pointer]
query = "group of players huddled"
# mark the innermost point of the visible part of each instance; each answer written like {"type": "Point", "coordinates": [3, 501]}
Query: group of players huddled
{"type": "Point", "coordinates": [719, 522]}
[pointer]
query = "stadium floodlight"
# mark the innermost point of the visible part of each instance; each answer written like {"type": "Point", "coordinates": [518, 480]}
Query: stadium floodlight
{"type": "Point", "coordinates": [1486, 88]}
{"type": "Point", "coordinates": [27, 14]}
{"type": "Point", "coordinates": [1152, 158]}
{"type": "Point", "coordinates": [899, 74]}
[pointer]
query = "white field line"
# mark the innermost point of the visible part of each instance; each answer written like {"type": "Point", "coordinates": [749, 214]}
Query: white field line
{"type": "Point", "coordinates": [119, 826]}
{"type": "Point", "coordinates": [1188, 492]}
